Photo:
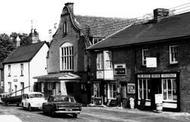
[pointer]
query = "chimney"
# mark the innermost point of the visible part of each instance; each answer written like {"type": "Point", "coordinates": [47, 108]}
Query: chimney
{"type": "Point", "coordinates": [160, 13]}
{"type": "Point", "coordinates": [17, 41]}
{"type": "Point", "coordinates": [70, 6]}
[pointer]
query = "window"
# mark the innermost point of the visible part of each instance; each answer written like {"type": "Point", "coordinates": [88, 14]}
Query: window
{"type": "Point", "coordinates": [145, 53]}
{"type": "Point", "coordinates": [169, 89]}
{"type": "Point", "coordinates": [173, 50]}
{"type": "Point", "coordinates": [96, 90]}
{"type": "Point", "coordinates": [9, 70]}
{"type": "Point", "coordinates": [10, 87]}
{"type": "Point", "coordinates": [112, 90]}
{"type": "Point", "coordinates": [107, 60]}
{"type": "Point", "coordinates": [22, 87]}
{"type": "Point", "coordinates": [144, 89]}
{"type": "Point", "coordinates": [67, 57]}
{"type": "Point", "coordinates": [99, 61]}
{"type": "Point", "coordinates": [21, 69]}
{"type": "Point", "coordinates": [95, 40]}
{"type": "Point", "coordinates": [65, 28]}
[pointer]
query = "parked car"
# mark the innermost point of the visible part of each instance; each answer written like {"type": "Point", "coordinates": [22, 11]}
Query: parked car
{"type": "Point", "coordinates": [33, 100]}
{"type": "Point", "coordinates": [62, 104]}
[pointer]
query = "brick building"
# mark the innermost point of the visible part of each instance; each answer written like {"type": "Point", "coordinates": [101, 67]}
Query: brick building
{"type": "Point", "coordinates": [155, 55]}
{"type": "Point", "coordinates": [67, 58]}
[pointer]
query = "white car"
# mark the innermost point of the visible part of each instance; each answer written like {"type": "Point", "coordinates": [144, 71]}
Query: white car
{"type": "Point", "coordinates": [33, 100]}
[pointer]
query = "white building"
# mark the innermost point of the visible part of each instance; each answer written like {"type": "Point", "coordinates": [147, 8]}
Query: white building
{"type": "Point", "coordinates": [22, 65]}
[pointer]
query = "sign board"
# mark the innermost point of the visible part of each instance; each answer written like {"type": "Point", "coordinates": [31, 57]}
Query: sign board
{"type": "Point", "coordinates": [158, 98]}
{"type": "Point", "coordinates": [99, 74]}
{"type": "Point", "coordinates": [131, 88]}
{"type": "Point", "coordinates": [151, 62]}
{"type": "Point", "coordinates": [119, 69]}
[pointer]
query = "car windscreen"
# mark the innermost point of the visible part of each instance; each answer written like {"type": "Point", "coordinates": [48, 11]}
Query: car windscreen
{"type": "Point", "coordinates": [35, 95]}
{"type": "Point", "coordinates": [63, 99]}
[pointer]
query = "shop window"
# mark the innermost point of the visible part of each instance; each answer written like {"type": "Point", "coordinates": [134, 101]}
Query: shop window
{"type": "Point", "coordinates": [144, 89]}
{"type": "Point", "coordinates": [99, 61]}
{"type": "Point", "coordinates": [169, 89]}
{"type": "Point", "coordinates": [145, 53]}
{"type": "Point", "coordinates": [66, 57]}
{"type": "Point", "coordinates": [112, 90]}
{"type": "Point", "coordinates": [96, 89]}
{"type": "Point", "coordinates": [173, 51]}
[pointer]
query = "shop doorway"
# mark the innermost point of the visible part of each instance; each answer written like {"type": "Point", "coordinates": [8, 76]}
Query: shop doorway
{"type": "Point", "coordinates": [156, 88]}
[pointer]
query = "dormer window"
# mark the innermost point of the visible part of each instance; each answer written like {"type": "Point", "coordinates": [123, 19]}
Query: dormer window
{"type": "Point", "coordinates": [173, 51]}
{"type": "Point", "coordinates": [65, 28]}
{"type": "Point", "coordinates": [66, 57]}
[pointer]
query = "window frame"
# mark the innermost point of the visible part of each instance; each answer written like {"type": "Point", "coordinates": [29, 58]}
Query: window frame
{"type": "Point", "coordinates": [144, 53]}
{"type": "Point", "coordinates": [99, 61]}
{"type": "Point", "coordinates": [67, 57]}
{"type": "Point", "coordinates": [22, 69]}
{"type": "Point", "coordinates": [9, 70]}
{"type": "Point", "coordinates": [173, 54]}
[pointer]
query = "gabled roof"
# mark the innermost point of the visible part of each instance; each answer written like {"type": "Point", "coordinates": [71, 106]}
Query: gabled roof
{"type": "Point", "coordinates": [168, 28]}
{"type": "Point", "coordinates": [24, 53]}
{"type": "Point", "coordinates": [102, 26]}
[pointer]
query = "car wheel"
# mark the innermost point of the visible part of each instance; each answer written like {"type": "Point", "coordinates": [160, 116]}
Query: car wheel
{"type": "Point", "coordinates": [29, 107]}
{"type": "Point", "coordinates": [75, 115]}
{"type": "Point", "coordinates": [53, 113]}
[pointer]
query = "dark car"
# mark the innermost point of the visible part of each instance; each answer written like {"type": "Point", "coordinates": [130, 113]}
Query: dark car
{"type": "Point", "coordinates": [62, 104]}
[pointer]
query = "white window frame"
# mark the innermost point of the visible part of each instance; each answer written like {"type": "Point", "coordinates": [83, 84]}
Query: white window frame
{"type": "Point", "coordinates": [67, 57]}
{"type": "Point", "coordinates": [99, 61]}
{"type": "Point", "coordinates": [144, 55]}
{"type": "Point", "coordinates": [141, 94]}
{"type": "Point", "coordinates": [96, 89]}
{"type": "Point", "coordinates": [173, 54]}
{"type": "Point", "coordinates": [166, 90]}
{"type": "Point", "coordinates": [107, 60]}
{"type": "Point", "coordinates": [112, 92]}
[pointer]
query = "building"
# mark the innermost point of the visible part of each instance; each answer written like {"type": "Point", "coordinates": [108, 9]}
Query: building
{"type": "Point", "coordinates": [154, 58]}
{"type": "Point", "coordinates": [1, 78]}
{"type": "Point", "coordinates": [68, 68]}
{"type": "Point", "coordinates": [24, 63]}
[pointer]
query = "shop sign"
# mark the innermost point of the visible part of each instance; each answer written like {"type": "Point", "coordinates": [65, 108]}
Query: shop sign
{"type": "Point", "coordinates": [155, 75]}
{"type": "Point", "coordinates": [158, 98]}
{"type": "Point", "coordinates": [99, 74]}
{"type": "Point", "coordinates": [172, 75]}
{"type": "Point", "coordinates": [119, 69]}
{"type": "Point", "coordinates": [143, 75]}
{"type": "Point", "coordinates": [151, 62]}
{"type": "Point", "coordinates": [131, 88]}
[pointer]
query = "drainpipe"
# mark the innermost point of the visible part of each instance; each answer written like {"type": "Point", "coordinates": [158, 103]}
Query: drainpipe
{"type": "Point", "coordinates": [29, 75]}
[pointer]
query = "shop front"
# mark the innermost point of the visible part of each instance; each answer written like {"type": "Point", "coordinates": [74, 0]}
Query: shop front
{"type": "Point", "coordinates": [150, 85]}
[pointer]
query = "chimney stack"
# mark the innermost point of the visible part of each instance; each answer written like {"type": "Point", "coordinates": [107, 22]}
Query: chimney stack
{"type": "Point", "coordinates": [17, 41]}
{"type": "Point", "coordinates": [160, 13]}
{"type": "Point", "coordinates": [70, 6]}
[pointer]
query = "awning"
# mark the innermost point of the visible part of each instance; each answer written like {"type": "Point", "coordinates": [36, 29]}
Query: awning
{"type": "Point", "coordinates": [59, 76]}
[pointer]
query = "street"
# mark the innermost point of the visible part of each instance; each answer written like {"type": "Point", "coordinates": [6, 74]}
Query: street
{"type": "Point", "coordinates": [95, 114]}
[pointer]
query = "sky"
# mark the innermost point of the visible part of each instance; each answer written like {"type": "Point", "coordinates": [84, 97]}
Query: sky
{"type": "Point", "coordinates": [17, 15]}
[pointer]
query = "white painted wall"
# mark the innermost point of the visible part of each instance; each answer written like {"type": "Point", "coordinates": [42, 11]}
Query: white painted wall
{"type": "Point", "coordinates": [16, 77]}
{"type": "Point", "coordinates": [36, 67]}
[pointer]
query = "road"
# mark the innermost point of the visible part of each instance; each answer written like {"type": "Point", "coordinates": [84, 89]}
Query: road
{"type": "Point", "coordinates": [95, 114]}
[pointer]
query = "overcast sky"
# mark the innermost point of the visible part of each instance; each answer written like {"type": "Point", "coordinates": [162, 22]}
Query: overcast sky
{"type": "Point", "coordinates": [16, 15]}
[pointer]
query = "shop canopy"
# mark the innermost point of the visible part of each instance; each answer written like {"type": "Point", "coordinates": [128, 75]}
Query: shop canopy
{"type": "Point", "coordinates": [59, 76]}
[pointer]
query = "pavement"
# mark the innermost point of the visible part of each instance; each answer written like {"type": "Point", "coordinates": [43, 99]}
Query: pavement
{"type": "Point", "coordinates": [9, 118]}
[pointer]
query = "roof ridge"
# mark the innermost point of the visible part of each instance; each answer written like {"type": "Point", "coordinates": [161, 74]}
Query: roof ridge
{"type": "Point", "coordinates": [105, 17]}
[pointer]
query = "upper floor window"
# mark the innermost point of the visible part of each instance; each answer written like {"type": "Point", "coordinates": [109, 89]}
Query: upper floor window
{"type": "Point", "coordinates": [66, 57]}
{"type": "Point", "coordinates": [95, 40]}
{"type": "Point", "coordinates": [65, 28]}
{"type": "Point", "coordinates": [21, 70]}
{"type": "Point", "coordinates": [9, 70]}
{"type": "Point", "coordinates": [107, 59]}
{"type": "Point", "coordinates": [173, 51]}
{"type": "Point", "coordinates": [145, 53]}
{"type": "Point", "coordinates": [99, 61]}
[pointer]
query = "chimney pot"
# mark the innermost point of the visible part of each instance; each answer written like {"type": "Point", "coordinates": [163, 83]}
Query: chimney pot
{"type": "Point", "coordinates": [160, 13]}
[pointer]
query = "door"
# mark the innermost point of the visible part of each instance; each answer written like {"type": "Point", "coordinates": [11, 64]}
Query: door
{"type": "Point", "coordinates": [155, 89]}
